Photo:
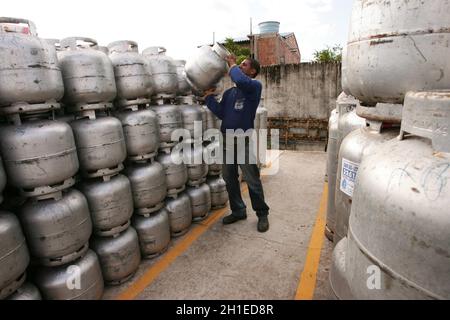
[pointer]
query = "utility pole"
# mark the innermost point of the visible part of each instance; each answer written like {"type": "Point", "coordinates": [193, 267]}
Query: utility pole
{"type": "Point", "coordinates": [252, 40]}
{"type": "Point", "coordinates": [214, 37]}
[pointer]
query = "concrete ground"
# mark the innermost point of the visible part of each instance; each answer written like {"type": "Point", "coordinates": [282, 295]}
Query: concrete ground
{"type": "Point", "coordinates": [323, 288]}
{"type": "Point", "coordinates": [237, 262]}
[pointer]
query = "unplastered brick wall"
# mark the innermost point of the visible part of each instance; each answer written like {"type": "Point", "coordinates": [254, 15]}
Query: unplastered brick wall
{"type": "Point", "coordinates": [288, 55]}
{"type": "Point", "coordinates": [291, 41]}
{"type": "Point", "coordinates": [272, 49]}
{"type": "Point", "coordinates": [266, 51]}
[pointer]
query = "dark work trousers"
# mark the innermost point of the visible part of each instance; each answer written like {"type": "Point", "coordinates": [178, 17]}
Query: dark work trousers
{"type": "Point", "coordinates": [251, 175]}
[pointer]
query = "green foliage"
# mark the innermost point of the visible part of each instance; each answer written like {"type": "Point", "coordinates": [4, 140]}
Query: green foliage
{"type": "Point", "coordinates": [240, 52]}
{"type": "Point", "coordinates": [333, 54]}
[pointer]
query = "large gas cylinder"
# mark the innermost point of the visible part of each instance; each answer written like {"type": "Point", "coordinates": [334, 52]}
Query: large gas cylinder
{"type": "Point", "coordinates": [14, 257]}
{"type": "Point", "coordinates": [100, 144]}
{"type": "Point", "coordinates": [347, 121]}
{"type": "Point", "coordinates": [184, 88]}
{"type": "Point", "coordinates": [154, 233]}
{"type": "Point", "coordinates": [207, 67]}
{"type": "Point", "coordinates": [398, 239]}
{"type": "Point", "coordinates": [79, 280]}
{"type": "Point", "coordinates": [163, 72]}
{"type": "Point", "coordinates": [27, 291]}
{"type": "Point", "coordinates": [180, 214]}
{"type": "Point", "coordinates": [219, 194]}
{"type": "Point", "coordinates": [29, 71]}
{"type": "Point", "coordinates": [382, 124]}
{"type": "Point", "coordinates": [200, 201]}
{"type": "Point", "coordinates": [57, 227]}
{"type": "Point", "coordinates": [169, 119]}
{"type": "Point", "coordinates": [148, 185]}
{"type": "Point", "coordinates": [196, 167]}
{"type": "Point", "coordinates": [141, 130]}
{"type": "Point", "coordinates": [88, 74]}
{"type": "Point", "coordinates": [396, 46]}
{"type": "Point", "coordinates": [119, 255]}
{"type": "Point", "coordinates": [176, 171]}
{"type": "Point", "coordinates": [110, 202]}
{"type": "Point", "coordinates": [40, 156]}
{"type": "Point", "coordinates": [132, 79]}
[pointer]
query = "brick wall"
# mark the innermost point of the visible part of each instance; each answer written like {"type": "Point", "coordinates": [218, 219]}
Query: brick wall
{"type": "Point", "coordinates": [294, 51]}
{"type": "Point", "coordinates": [291, 41]}
{"type": "Point", "coordinates": [266, 50]}
{"type": "Point", "coordinates": [287, 54]}
{"type": "Point", "coordinates": [274, 49]}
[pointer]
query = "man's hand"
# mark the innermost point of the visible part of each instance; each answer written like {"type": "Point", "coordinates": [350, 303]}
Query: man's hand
{"type": "Point", "coordinates": [231, 60]}
{"type": "Point", "coordinates": [209, 92]}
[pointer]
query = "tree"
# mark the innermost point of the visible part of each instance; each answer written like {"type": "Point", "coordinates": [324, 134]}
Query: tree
{"type": "Point", "coordinates": [333, 54]}
{"type": "Point", "coordinates": [240, 52]}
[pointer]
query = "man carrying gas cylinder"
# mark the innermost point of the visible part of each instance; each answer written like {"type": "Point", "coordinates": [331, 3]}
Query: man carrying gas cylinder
{"type": "Point", "coordinates": [237, 110]}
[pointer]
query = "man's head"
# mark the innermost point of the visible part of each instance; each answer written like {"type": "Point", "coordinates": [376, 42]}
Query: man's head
{"type": "Point", "coordinates": [250, 67]}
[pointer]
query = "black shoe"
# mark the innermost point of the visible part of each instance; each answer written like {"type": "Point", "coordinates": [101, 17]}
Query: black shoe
{"type": "Point", "coordinates": [232, 219]}
{"type": "Point", "coordinates": [263, 224]}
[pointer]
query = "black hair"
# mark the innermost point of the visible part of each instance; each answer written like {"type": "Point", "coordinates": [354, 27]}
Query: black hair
{"type": "Point", "coordinates": [254, 64]}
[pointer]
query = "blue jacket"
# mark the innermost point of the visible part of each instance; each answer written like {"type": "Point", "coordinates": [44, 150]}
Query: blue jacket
{"type": "Point", "coordinates": [237, 109]}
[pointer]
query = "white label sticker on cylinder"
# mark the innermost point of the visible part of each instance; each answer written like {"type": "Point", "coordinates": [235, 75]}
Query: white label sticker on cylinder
{"type": "Point", "coordinates": [348, 176]}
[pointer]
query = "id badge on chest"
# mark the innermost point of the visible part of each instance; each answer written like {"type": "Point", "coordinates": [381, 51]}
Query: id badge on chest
{"type": "Point", "coordinates": [239, 105]}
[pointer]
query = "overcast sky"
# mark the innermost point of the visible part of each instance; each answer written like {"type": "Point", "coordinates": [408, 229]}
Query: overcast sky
{"type": "Point", "coordinates": [181, 26]}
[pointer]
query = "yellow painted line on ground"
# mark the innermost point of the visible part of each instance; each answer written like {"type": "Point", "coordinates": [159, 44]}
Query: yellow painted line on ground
{"type": "Point", "coordinates": [307, 285]}
{"type": "Point", "coordinates": [155, 270]}
{"type": "Point", "coordinates": [172, 254]}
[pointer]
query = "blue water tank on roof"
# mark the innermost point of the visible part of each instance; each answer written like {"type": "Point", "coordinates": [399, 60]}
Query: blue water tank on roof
{"type": "Point", "coordinates": [269, 27]}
